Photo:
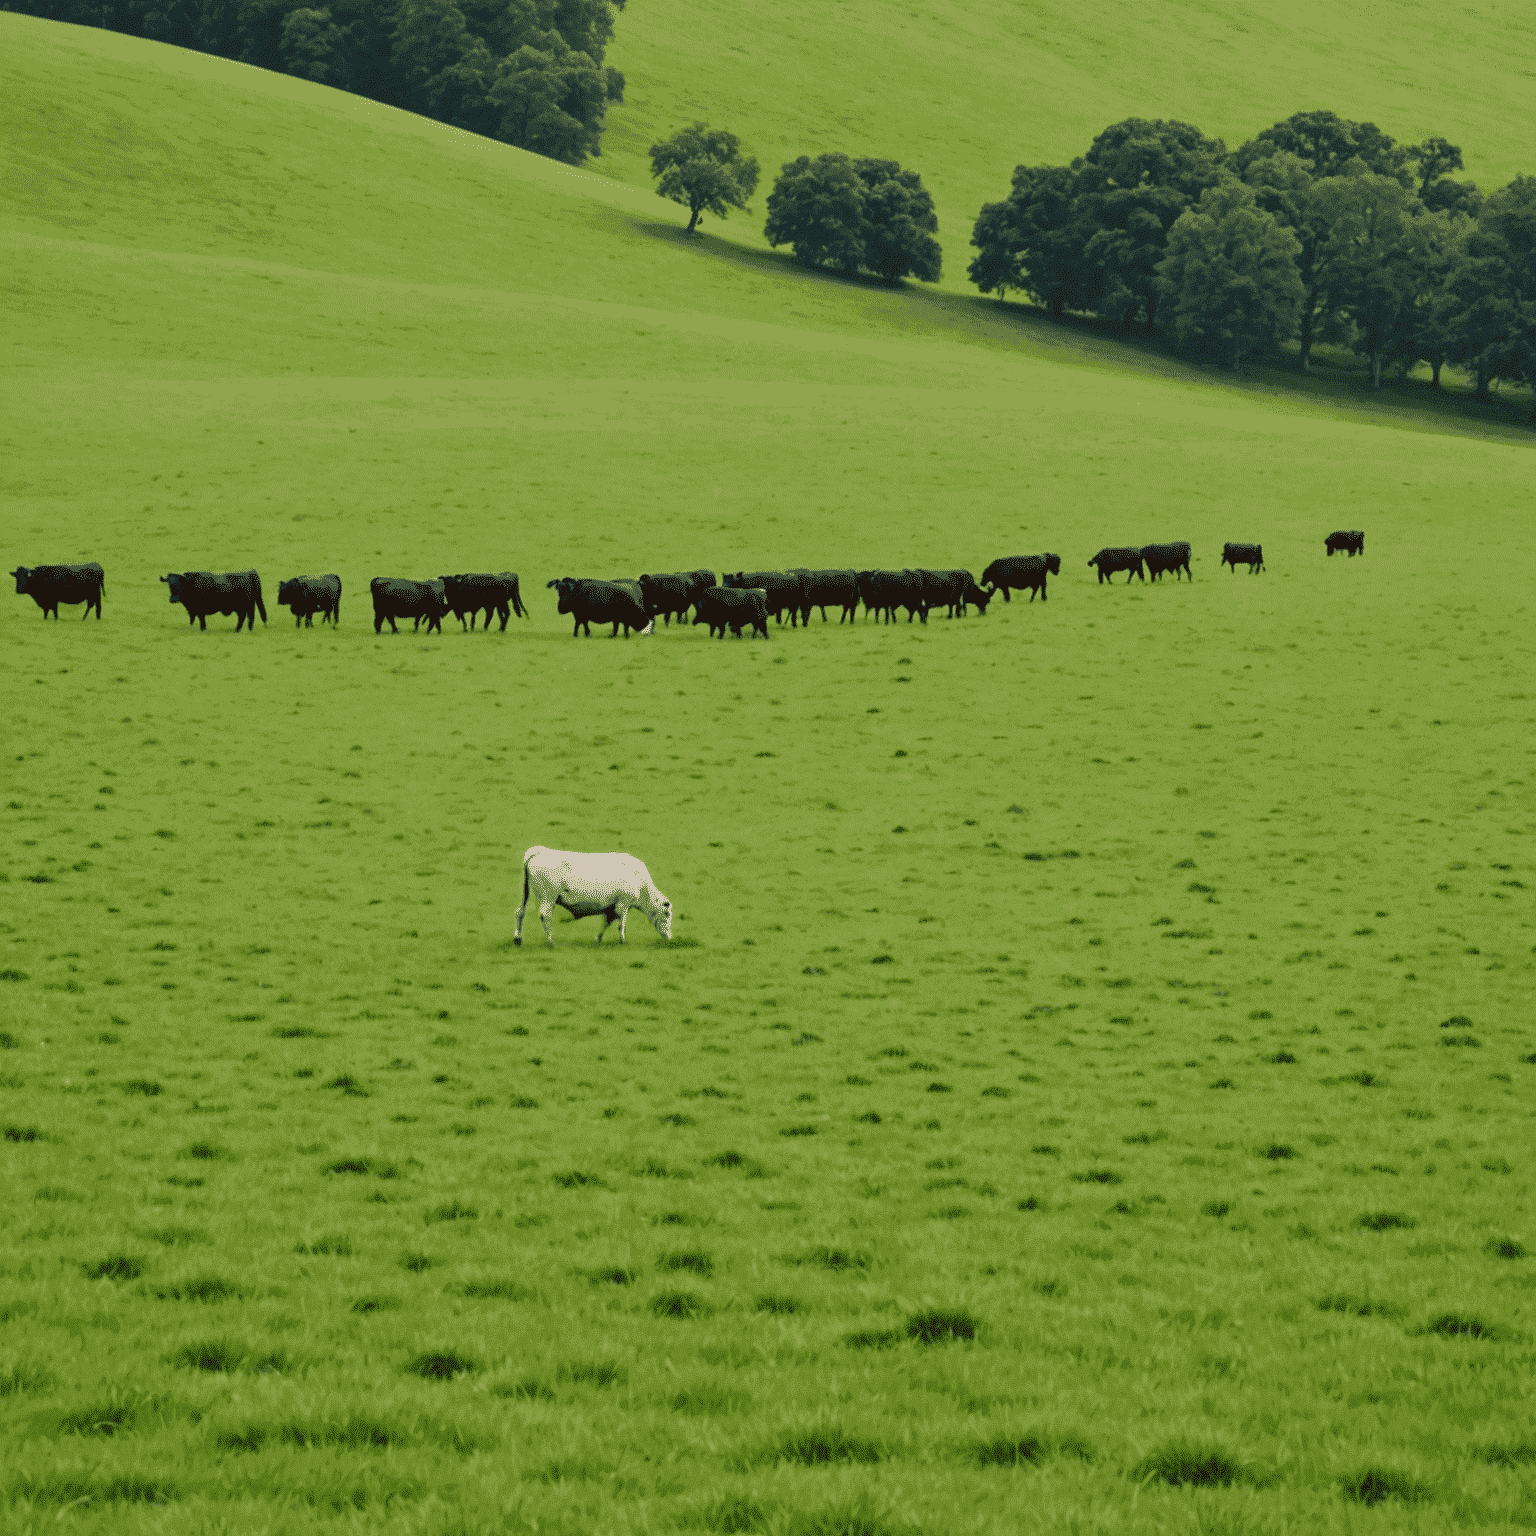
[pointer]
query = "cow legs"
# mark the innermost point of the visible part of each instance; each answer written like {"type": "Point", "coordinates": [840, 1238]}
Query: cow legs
{"type": "Point", "coordinates": [545, 909]}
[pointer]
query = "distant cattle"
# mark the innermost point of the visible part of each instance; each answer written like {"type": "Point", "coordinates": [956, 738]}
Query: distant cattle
{"type": "Point", "coordinates": [1109, 561]}
{"type": "Point", "coordinates": [604, 885]}
{"type": "Point", "coordinates": [1162, 558]}
{"type": "Point", "coordinates": [1351, 542]}
{"type": "Point", "coordinates": [205, 592]}
{"type": "Point", "coordinates": [1021, 572]}
{"type": "Point", "coordinates": [783, 591]}
{"type": "Point", "coordinates": [732, 608]}
{"type": "Point", "coordinates": [671, 593]}
{"type": "Point", "coordinates": [592, 602]}
{"type": "Point", "coordinates": [398, 597]}
{"type": "Point", "coordinates": [50, 585]}
{"type": "Point", "coordinates": [305, 596]}
{"type": "Point", "coordinates": [1251, 555]}
{"type": "Point", "coordinates": [829, 589]}
{"type": "Point", "coordinates": [469, 594]}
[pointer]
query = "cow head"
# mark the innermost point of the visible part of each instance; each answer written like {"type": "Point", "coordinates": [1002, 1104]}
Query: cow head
{"type": "Point", "coordinates": [173, 581]}
{"type": "Point", "coordinates": [659, 910]}
{"type": "Point", "coordinates": [21, 573]}
{"type": "Point", "coordinates": [287, 590]}
{"type": "Point", "coordinates": [979, 596]}
{"type": "Point", "coordinates": [1053, 564]}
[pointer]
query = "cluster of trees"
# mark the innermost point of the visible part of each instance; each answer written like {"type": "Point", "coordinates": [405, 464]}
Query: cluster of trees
{"type": "Point", "coordinates": [528, 72]}
{"type": "Point", "coordinates": [1318, 228]}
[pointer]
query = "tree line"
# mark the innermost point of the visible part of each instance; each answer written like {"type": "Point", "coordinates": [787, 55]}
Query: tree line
{"type": "Point", "coordinates": [527, 72]}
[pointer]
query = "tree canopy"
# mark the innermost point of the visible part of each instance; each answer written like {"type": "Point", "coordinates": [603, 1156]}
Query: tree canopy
{"type": "Point", "coordinates": [704, 169]}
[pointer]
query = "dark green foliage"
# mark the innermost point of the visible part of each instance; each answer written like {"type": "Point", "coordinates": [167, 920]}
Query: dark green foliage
{"type": "Point", "coordinates": [940, 1325]}
{"type": "Point", "coordinates": [1356, 1306]}
{"type": "Point", "coordinates": [65, 1491]}
{"type": "Point", "coordinates": [1452, 1325]}
{"type": "Point", "coordinates": [416, 1262]}
{"type": "Point", "coordinates": [441, 1365]}
{"type": "Point", "coordinates": [24, 1376]}
{"type": "Point", "coordinates": [1276, 1151]}
{"type": "Point", "coordinates": [1375, 1485]}
{"type": "Point", "coordinates": [21, 1133]}
{"type": "Point", "coordinates": [1493, 333]}
{"type": "Point", "coordinates": [1187, 1463]}
{"type": "Point", "coordinates": [679, 1304]}
{"type": "Point", "coordinates": [1520, 1454]}
{"type": "Point", "coordinates": [8, 1041]}
{"type": "Point", "coordinates": [700, 1264]}
{"type": "Point", "coordinates": [495, 1289]}
{"type": "Point", "coordinates": [1325, 144]}
{"type": "Point", "coordinates": [1215, 1208]}
{"type": "Point", "coordinates": [855, 215]}
{"type": "Point", "coordinates": [577, 1180]}
{"type": "Point", "coordinates": [1506, 1248]}
{"type": "Point", "coordinates": [1030, 243]}
{"type": "Point", "coordinates": [704, 169]}
{"type": "Point", "coordinates": [1456, 1021]}
{"type": "Point", "coordinates": [348, 1085]}
{"type": "Point", "coordinates": [120, 1266]}
{"type": "Point", "coordinates": [1384, 1221]}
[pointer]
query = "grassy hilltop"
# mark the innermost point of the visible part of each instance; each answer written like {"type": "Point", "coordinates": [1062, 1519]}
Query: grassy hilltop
{"type": "Point", "coordinates": [1138, 981]}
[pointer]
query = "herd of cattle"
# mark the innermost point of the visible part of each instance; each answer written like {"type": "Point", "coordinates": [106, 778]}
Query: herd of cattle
{"type": "Point", "coordinates": [739, 601]}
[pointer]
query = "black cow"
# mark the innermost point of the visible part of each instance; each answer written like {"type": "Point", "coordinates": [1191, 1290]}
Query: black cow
{"type": "Point", "coordinates": [205, 592]}
{"type": "Point", "coordinates": [470, 593]}
{"type": "Point", "coordinates": [886, 591]}
{"type": "Point", "coordinates": [602, 602]}
{"type": "Point", "coordinates": [398, 597]}
{"type": "Point", "coordinates": [1111, 560]}
{"type": "Point", "coordinates": [1351, 542]}
{"type": "Point", "coordinates": [305, 596]}
{"type": "Point", "coordinates": [1251, 555]}
{"type": "Point", "coordinates": [732, 608]}
{"type": "Point", "coordinates": [668, 594]}
{"type": "Point", "coordinates": [1022, 572]}
{"type": "Point", "coordinates": [50, 585]}
{"type": "Point", "coordinates": [829, 589]}
{"type": "Point", "coordinates": [964, 591]}
{"type": "Point", "coordinates": [1162, 558]}
{"type": "Point", "coordinates": [784, 591]}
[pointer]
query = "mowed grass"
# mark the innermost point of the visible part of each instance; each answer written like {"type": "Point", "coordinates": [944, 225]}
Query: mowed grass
{"type": "Point", "coordinates": [1092, 1079]}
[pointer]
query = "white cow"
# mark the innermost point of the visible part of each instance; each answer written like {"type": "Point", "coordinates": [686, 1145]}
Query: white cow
{"type": "Point", "coordinates": [602, 885]}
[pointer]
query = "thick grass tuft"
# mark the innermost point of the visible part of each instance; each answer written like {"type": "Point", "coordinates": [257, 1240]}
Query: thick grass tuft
{"type": "Point", "coordinates": [120, 1266]}
{"type": "Point", "coordinates": [695, 1262]}
{"type": "Point", "coordinates": [453, 1210]}
{"type": "Point", "coordinates": [207, 1288]}
{"type": "Point", "coordinates": [440, 1365]}
{"type": "Point", "coordinates": [22, 1376]}
{"type": "Point", "coordinates": [1455, 1325]}
{"type": "Point", "coordinates": [1385, 1221]}
{"type": "Point", "coordinates": [613, 1274]}
{"type": "Point", "coordinates": [224, 1355]}
{"type": "Point", "coordinates": [730, 1513]}
{"type": "Point", "coordinates": [1356, 1306]}
{"type": "Point", "coordinates": [874, 1338]}
{"type": "Point", "coordinates": [1009, 1451]}
{"type": "Point", "coordinates": [682, 1305]}
{"type": "Point", "coordinates": [856, 1515]}
{"type": "Point", "coordinates": [782, 1306]}
{"type": "Point", "coordinates": [1522, 1453]}
{"type": "Point", "coordinates": [1097, 1176]}
{"type": "Point", "coordinates": [836, 1259]}
{"type": "Point", "coordinates": [1375, 1485]}
{"type": "Point", "coordinates": [63, 1491]}
{"type": "Point", "coordinates": [941, 1325]}
{"type": "Point", "coordinates": [1189, 1463]}
{"type": "Point", "coordinates": [822, 1447]}
{"type": "Point", "coordinates": [1506, 1248]}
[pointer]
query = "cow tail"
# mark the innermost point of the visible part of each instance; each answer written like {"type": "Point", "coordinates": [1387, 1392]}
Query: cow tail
{"type": "Point", "coordinates": [525, 883]}
{"type": "Point", "coordinates": [261, 606]}
{"type": "Point", "coordinates": [517, 603]}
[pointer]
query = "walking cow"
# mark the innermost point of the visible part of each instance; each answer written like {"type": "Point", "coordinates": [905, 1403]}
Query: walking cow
{"type": "Point", "coordinates": [205, 592]}
{"type": "Point", "coordinates": [783, 590]}
{"type": "Point", "coordinates": [305, 596]}
{"type": "Point", "coordinates": [602, 885]}
{"type": "Point", "coordinates": [1124, 559]}
{"type": "Point", "coordinates": [1021, 572]}
{"type": "Point", "coordinates": [602, 602]}
{"type": "Point", "coordinates": [1251, 555]}
{"type": "Point", "coordinates": [732, 608]}
{"type": "Point", "coordinates": [1351, 542]}
{"type": "Point", "coordinates": [469, 593]}
{"type": "Point", "coordinates": [398, 597]}
{"type": "Point", "coordinates": [1162, 558]}
{"type": "Point", "coordinates": [50, 585]}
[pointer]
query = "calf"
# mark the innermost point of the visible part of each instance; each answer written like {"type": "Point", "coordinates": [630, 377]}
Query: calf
{"type": "Point", "coordinates": [602, 885]}
{"type": "Point", "coordinates": [784, 591]}
{"type": "Point", "coordinates": [398, 597]}
{"type": "Point", "coordinates": [305, 596]}
{"type": "Point", "coordinates": [474, 591]}
{"type": "Point", "coordinates": [1111, 560]}
{"type": "Point", "coordinates": [50, 585]}
{"type": "Point", "coordinates": [205, 592]}
{"type": "Point", "coordinates": [1162, 558]}
{"type": "Point", "coordinates": [733, 607]}
{"type": "Point", "coordinates": [1351, 542]}
{"type": "Point", "coordinates": [602, 602]}
{"type": "Point", "coordinates": [1251, 555]}
{"type": "Point", "coordinates": [1021, 572]}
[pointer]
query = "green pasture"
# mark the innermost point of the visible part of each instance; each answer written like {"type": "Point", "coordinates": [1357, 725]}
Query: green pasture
{"type": "Point", "coordinates": [1136, 982]}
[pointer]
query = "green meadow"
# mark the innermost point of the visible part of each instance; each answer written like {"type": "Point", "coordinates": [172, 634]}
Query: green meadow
{"type": "Point", "coordinates": [1090, 1087]}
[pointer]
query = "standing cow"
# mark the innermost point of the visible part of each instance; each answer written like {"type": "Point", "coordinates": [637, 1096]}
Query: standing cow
{"type": "Point", "coordinates": [784, 591]}
{"type": "Point", "coordinates": [1162, 558]}
{"type": "Point", "coordinates": [398, 597]}
{"type": "Point", "coordinates": [1021, 572]}
{"type": "Point", "coordinates": [305, 596]}
{"type": "Point", "coordinates": [205, 592]}
{"type": "Point", "coordinates": [469, 593]}
{"type": "Point", "coordinates": [602, 602]}
{"type": "Point", "coordinates": [1251, 555]}
{"type": "Point", "coordinates": [1124, 559]}
{"type": "Point", "coordinates": [1348, 541]}
{"type": "Point", "coordinates": [732, 608]}
{"type": "Point", "coordinates": [602, 885]}
{"type": "Point", "coordinates": [50, 585]}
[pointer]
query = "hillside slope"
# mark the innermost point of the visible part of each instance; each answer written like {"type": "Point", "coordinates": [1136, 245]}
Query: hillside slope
{"type": "Point", "coordinates": [964, 90]}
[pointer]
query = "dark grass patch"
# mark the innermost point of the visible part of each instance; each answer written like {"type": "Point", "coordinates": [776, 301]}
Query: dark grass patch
{"type": "Point", "coordinates": [1519, 1454]}
{"type": "Point", "coordinates": [1097, 1176]}
{"type": "Point", "coordinates": [782, 1306]}
{"type": "Point", "coordinates": [1505, 1248]}
{"type": "Point", "coordinates": [1009, 1451]}
{"type": "Point", "coordinates": [698, 1263]}
{"type": "Point", "coordinates": [417, 1262]}
{"type": "Point", "coordinates": [120, 1266]}
{"type": "Point", "coordinates": [683, 1305]}
{"type": "Point", "coordinates": [1186, 1463]}
{"type": "Point", "coordinates": [1363, 1080]}
{"type": "Point", "coordinates": [8, 1041]}
{"type": "Point", "coordinates": [836, 1259]}
{"type": "Point", "coordinates": [941, 1325]}
{"type": "Point", "coordinates": [1385, 1221]}
{"type": "Point", "coordinates": [1456, 1021]}
{"type": "Point", "coordinates": [613, 1275]}
{"type": "Point", "coordinates": [209, 1289]}
{"type": "Point", "coordinates": [440, 1365]}
{"type": "Point", "coordinates": [798, 1130]}
{"type": "Point", "coordinates": [851, 1515]}
{"type": "Point", "coordinates": [874, 1338]}
{"type": "Point", "coordinates": [222, 1356]}
{"type": "Point", "coordinates": [1216, 1208]}
{"type": "Point", "coordinates": [494, 1289]}
{"type": "Point", "coordinates": [367, 1304]}
{"type": "Point", "coordinates": [1278, 1152]}
{"type": "Point", "coordinates": [1281, 1059]}
{"type": "Point", "coordinates": [10, 973]}
{"type": "Point", "coordinates": [996, 1092]}
{"type": "Point", "coordinates": [525, 1389]}
{"type": "Point", "coordinates": [1456, 1325]}
{"type": "Point", "coordinates": [1046, 1150]}
{"type": "Point", "coordinates": [575, 1179]}
{"type": "Point", "coordinates": [1375, 1485]}
{"type": "Point", "coordinates": [103, 1419]}
{"type": "Point", "coordinates": [593, 1373]}
{"type": "Point", "coordinates": [525, 1103]}
{"type": "Point", "coordinates": [349, 1085]}
{"type": "Point", "coordinates": [452, 1210]}
{"type": "Point", "coordinates": [1470, 1041]}
{"type": "Point", "coordinates": [826, 1447]}
{"type": "Point", "coordinates": [22, 1376]}
{"type": "Point", "coordinates": [176, 1236]}
{"type": "Point", "coordinates": [63, 1491]}
{"type": "Point", "coordinates": [147, 1086]}
{"type": "Point", "coordinates": [20, 1133]}
{"type": "Point", "coordinates": [294, 1032]}
{"type": "Point", "coordinates": [207, 1152]}
{"type": "Point", "coordinates": [1357, 1306]}
{"type": "Point", "coordinates": [335, 1244]}
{"type": "Point", "coordinates": [729, 1513]}
{"type": "Point", "coordinates": [869, 1117]}
{"type": "Point", "coordinates": [726, 1160]}
{"type": "Point", "coordinates": [1030, 1203]}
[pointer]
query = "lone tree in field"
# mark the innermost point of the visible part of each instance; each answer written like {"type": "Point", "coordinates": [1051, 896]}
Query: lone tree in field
{"type": "Point", "coordinates": [1229, 280]}
{"type": "Point", "coordinates": [852, 214]}
{"type": "Point", "coordinates": [704, 168]}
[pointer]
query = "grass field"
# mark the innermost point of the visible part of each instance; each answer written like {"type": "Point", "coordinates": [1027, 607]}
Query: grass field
{"type": "Point", "coordinates": [1020, 959]}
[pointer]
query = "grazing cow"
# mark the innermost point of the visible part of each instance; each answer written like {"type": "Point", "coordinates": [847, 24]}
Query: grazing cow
{"type": "Point", "coordinates": [474, 591]}
{"type": "Point", "coordinates": [669, 594]}
{"type": "Point", "coordinates": [1020, 572]}
{"type": "Point", "coordinates": [1111, 560]}
{"type": "Point", "coordinates": [1351, 542]}
{"type": "Point", "coordinates": [1162, 558]}
{"type": "Point", "coordinates": [50, 585]}
{"type": "Point", "coordinates": [824, 589]}
{"type": "Point", "coordinates": [205, 592]}
{"type": "Point", "coordinates": [602, 885]}
{"type": "Point", "coordinates": [1251, 555]}
{"type": "Point", "coordinates": [398, 597]}
{"type": "Point", "coordinates": [602, 602]}
{"type": "Point", "coordinates": [784, 591]}
{"type": "Point", "coordinates": [733, 607]}
{"type": "Point", "coordinates": [305, 596]}
{"type": "Point", "coordinates": [969, 592]}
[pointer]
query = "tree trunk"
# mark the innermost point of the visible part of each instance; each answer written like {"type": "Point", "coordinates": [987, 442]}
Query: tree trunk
{"type": "Point", "coordinates": [1375, 370]}
{"type": "Point", "coordinates": [1308, 318]}
{"type": "Point", "coordinates": [692, 221]}
{"type": "Point", "coordinates": [1434, 377]}
{"type": "Point", "coordinates": [1481, 392]}
{"type": "Point", "coordinates": [1057, 305]}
